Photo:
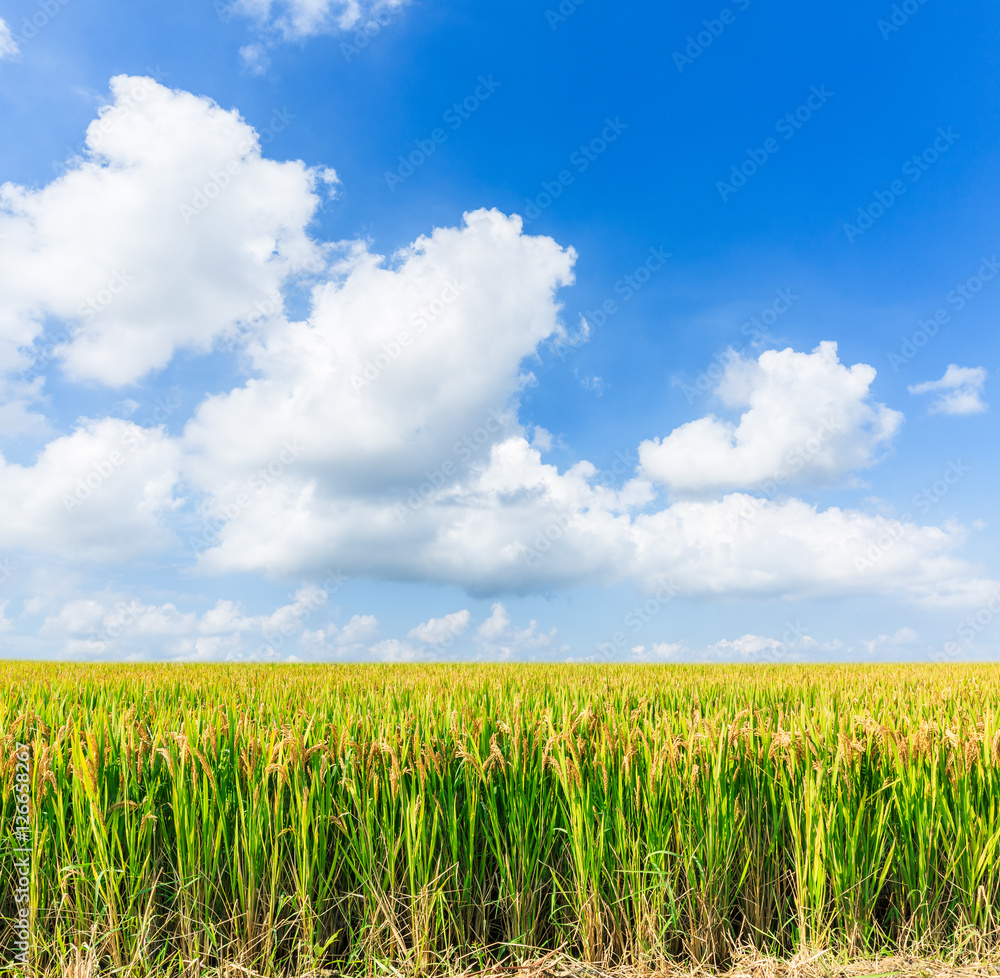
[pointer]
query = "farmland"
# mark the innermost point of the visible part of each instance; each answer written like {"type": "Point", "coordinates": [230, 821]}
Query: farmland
{"type": "Point", "coordinates": [360, 818]}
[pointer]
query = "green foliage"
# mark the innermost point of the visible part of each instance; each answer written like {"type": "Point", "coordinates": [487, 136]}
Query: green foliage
{"type": "Point", "coordinates": [288, 819]}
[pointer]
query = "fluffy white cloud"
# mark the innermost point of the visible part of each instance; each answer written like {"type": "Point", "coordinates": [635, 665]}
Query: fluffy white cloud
{"type": "Point", "coordinates": [809, 420]}
{"type": "Point", "coordinates": [758, 648]}
{"type": "Point", "coordinates": [349, 642]}
{"type": "Point", "coordinates": [793, 645]}
{"type": "Point", "coordinates": [122, 626]}
{"type": "Point", "coordinates": [8, 46]}
{"type": "Point", "coordinates": [447, 637]}
{"type": "Point", "coordinates": [444, 629]}
{"type": "Point", "coordinates": [296, 19]}
{"type": "Point", "coordinates": [97, 494]}
{"type": "Point", "coordinates": [499, 639]}
{"type": "Point", "coordinates": [380, 434]}
{"type": "Point", "coordinates": [959, 390]}
{"type": "Point", "coordinates": [516, 524]}
{"type": "Point", "coordinates": [746, 545]}
{"type": "Point", "coordinates": [402, 373]}
{"type": "Point", "coordinates": [360, 628]}
{"type": "Point", "coordinates": [902, 638]}
{"type": "Point", "coordinates": [162, 236]}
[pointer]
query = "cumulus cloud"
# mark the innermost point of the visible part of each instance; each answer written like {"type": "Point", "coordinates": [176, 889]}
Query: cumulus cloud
{"type": "Point", "coordinates": [254, 58]}
{"type": "Point", "coordinates": [444, 629]}
{"type": "Point", "coordinates": [297, 19]}
{"type": "Point", "coordinates": [902, 639]}
{"type": "Point", "coordinates": [380, 433]}
{"type": "Point", "coordinates": [162, 236]}
{"type": "Point", "coordinates": [349, 642]}
{"type": "Point", "coordinates": [498, 638]}
{"type": "Point", "coordinates": [8, 46]}
{"type": "Point", "coordinates": [99, 493]}
{"type": "Point", "coordinates": [123, 626]}
{"type": "Point", "coordinates": [758, 648]}
{"type": "Point", "coordinates": [959, 391]}
{"type": "Point", "coordinates": [515, 524]}
{"type": "Point", "coordinates": [809, 420]}
{"type": "Point", "coordinates": [446, 637]}
{"type": "Point", "coordinates": [792, 646]}
{"type": "Point", "coordinates": [402, 389]}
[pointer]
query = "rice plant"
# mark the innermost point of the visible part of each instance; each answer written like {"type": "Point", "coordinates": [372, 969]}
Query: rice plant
{"type": "Point", "coordinates": [426, 818]}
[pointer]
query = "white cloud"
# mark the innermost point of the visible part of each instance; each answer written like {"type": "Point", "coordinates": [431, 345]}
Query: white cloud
{"type": "Point", "coordinates": [349, 642]}
{"type": "Point", "coordinates": [296, 19]}
{"type": "Point", "coordinates": [360, 628]}
{"type": "Point", "coordinates": [809, 420]}
{"type": "Point", "coordinates": [903, 638]}
{"type": "Point", "coordinates": [164, 235]}
{"type": "Point", "coordinates": [746, 648]}
{"type": "Point", "coordinates": [516, 524]}
{"type": "Point", "coordinates": [393, 650]}
{"type": "Point", "coordinates": [497, 638]}
{"type": "Point", "coordinates": [445, 629]}
{"type": "Point", "coordinates": [400, 371]}
{"type": "Point", "coordinates": [760, 648]}
{"type": "Point", "coordinates": [496, 624]}
{"type": "Point", "coordinates": [399, 390]}
{"type": "Point", "coordinates": [97, 494]}
{"type": "Point", "coordinates": [664, 650]}
{"type": "Point", "coordinates": [122, 626]}
{"type": "Point", "coordinates": [254, 58]}
{"type": "Point", "coordinates": [541, 439]}
{"type": "Point", "coordinates": [960, 389]}
{"type": "Point", "coordinates": [8, 46]}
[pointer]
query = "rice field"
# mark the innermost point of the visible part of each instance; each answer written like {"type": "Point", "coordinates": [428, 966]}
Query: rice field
{"type": "Point", "coordinates": [427, 819]}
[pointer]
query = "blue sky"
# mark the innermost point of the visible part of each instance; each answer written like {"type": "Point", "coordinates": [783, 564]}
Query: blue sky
{"type": "Point", "coordinates": [668, 212]}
